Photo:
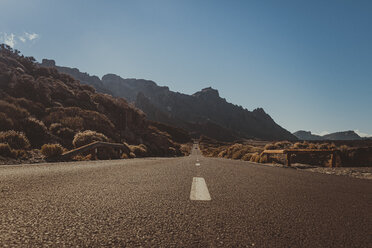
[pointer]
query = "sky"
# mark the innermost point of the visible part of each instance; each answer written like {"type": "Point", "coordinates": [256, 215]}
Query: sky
{"type": "Point", "coordinates": [307, 63]}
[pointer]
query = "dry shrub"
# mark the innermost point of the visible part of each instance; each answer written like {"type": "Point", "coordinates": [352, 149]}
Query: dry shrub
{"type": "Point", "coordinates": [5, 150]}
{"type": "Point", "coordinates": [12, 111]}
{"type": "Point", "coordinates": [87, 137]}
{"type": "Point", "coordinates": [20, 154]}
{"type": "Point", "coordinates": [139, 151]}
{"type": "Point", "coordinates": [323, 146]}
{"type": "Point", "coordinates": [299, 145]}
{"type": "Point", "coordinates": [255, 157]}
{"type": "Point", "coordinates": [132, 155]}
{"type": "Point", "coordinates": [270, 147]}
{"type": "Point", "coordinates": [124, 156]}
{"type": "Point", "coordinates": [51, 150]}
{"type": "Point", "coordinates": [283, 145]}
{"type": "Point", "coordinates": [222, 154]}
{"type": "Point", "coordinates": [186, 149]}
{"type": "Point", "coordinates": [5, 122]}
{"type": "Point", "coordinates": [16, 140]}
{"type": "Point", "coordinates": [313, 146]}
{"type": "Point", "coordinates": [263, 159]}
{"type": "Point", "coordinates": [64, 133]}
{"type": "Point", "coordinates": [247, 156]}
{"type": "Point", "coordinates": [35, 131]}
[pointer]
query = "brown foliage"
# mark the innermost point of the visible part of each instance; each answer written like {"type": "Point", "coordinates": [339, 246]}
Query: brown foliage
{"type": "Point", "coordinates": [12, 111]}
{"type": "Point", "coordinates": [5, 122]}
{"type": "Point", "coordinates": [64, 133]}
{"type": "Point", "coordinates": [51, 150]}
{"type": "Point", "coordinates": [5, 150]}
{"type": "Point", "coordinates": [139, 151]}
{"type": "Point", "coordinates": [186, 149]}
{"type": "Point", "coordinates": [87, 137]}
{"type": "Point", "coordinates": [35, 131]}
{"type": "Point", "coordinates": [16, 140]}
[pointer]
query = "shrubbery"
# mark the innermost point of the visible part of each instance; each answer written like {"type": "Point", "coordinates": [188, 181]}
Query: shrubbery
{"type": "Point", "coordinates": [35, 131]}
{"type": "Point", "coordinates": [5, 122]}
{"type": "Point", "coordinates": [16, 140]}
{"type": "Point", "coordinates": [5, 150]}
{"type": "Point", "coordinates": [139, 151]}
{"type": "Point", "coordinates": [51, 150]}
{"type": "Point", "coordinates": [64, 133]}
{"type": "Point", "coordinates": [87, 137]}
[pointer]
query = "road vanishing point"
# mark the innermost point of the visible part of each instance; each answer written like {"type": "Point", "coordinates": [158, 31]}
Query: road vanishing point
{"type": "Point", "coordinates": [190, 201]}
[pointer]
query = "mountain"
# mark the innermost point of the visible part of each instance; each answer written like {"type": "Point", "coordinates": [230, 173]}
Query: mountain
{"type": "Point", "coordinates": [346, 135]}
{"type": "Point", "coordinates": [307, 135]}
{"type": "Point", "coordinates": [203, 113]}
{"type": "Point", "coordinates": [38, 100]}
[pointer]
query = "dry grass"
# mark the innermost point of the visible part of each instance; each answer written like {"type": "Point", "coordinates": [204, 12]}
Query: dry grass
{"type": "Point", "coordinates": [52, 150]}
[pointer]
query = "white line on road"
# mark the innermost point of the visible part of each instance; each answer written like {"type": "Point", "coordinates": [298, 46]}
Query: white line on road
{"type": "Point", "coordinates": [199, 190]}
{"type": "Point", "coordinates": [197, 164]}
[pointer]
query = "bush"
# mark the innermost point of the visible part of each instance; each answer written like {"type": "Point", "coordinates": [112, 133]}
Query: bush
{"type": "Point", "coordinates": [270, 147]}
{"type": "Point", "coordinates": [5, 122]}
{"type": "Point", "coordinates": [299, 145]}
{"type": "Point", "coordinates": [16, 140]}
{"type": "Point", "coordinates": [87, 137]}
{"type": "Point", "coordinates": [139, 151]}
{"type": "Point", "coordinates": [35, 131]}
{"type": "Point", "coordinates": [283, 145]}
{"type": "Point", "coordinates": [20, 154]}
{"type": "Point", "coordinates": [5, 150]}
{"type": "Point", "coordinates": [13, 111]}
{"type": "Point", "coordinates": [255, 157]}
{"type": "Point", "coordinates": [51, 150]}
{"type": "Point", "coordinates": [247, 157]}
{"type": "Point", "coordinates": [66, 134]}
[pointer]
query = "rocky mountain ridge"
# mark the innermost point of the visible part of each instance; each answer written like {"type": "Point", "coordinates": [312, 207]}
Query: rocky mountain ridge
{"type": "Point", "coordinates": [203, 113]}
{"type": "Point", "coordinates": [345, 135]}
{"type": "Point", "coordinates": [52, 107]}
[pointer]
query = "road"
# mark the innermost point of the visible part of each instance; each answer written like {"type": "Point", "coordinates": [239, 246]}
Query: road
{"type": "Point", "coordinates": [191, 201]}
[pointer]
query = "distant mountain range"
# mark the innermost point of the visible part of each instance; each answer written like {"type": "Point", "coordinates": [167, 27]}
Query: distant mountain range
{"type": "Point", "coordinates": [203, 113]}
{"type": "Point", "coordinates": [346, 135]}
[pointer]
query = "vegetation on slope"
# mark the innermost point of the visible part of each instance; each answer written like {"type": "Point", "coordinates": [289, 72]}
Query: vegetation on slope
{"type": "Point", "coordinates": [350, 154]}
{"type": "Point", "coordinates": [41, 106]}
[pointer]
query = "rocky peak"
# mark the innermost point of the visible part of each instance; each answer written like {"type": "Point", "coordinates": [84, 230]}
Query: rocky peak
{"type": "Point", "coordinates": [48, 63]}
{"type": "Point", "coordinates": [207, 93]}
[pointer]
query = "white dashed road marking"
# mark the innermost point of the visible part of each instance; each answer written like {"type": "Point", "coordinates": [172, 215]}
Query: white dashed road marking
{"type": "Point", "coordinates": [197, 164]}
{"type": "Point", "coordinates": [199, 190]}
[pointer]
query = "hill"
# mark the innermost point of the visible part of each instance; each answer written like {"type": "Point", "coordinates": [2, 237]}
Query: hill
{"type": "Point", "coordinates": [346, 135]}
{"type": "Point", "coordinates": [51, 107]}
{"type": "Point", "coordinates": [203, 113]}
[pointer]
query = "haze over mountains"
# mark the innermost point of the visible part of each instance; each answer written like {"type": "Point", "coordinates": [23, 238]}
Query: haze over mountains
{"type": "Point", "coordinates": [203, 113]}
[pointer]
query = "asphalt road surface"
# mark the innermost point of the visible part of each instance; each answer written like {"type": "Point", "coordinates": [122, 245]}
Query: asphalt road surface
{"type": "Point", "coordinates": [181, 202]}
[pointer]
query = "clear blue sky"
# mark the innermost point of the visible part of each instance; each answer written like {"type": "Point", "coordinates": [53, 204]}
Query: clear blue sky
{"type": "Point", "coordinates": [307, 63]}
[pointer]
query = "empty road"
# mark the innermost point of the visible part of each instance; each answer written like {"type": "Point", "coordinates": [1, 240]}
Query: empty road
{"type": "Point", "coordinates": [181, 202]}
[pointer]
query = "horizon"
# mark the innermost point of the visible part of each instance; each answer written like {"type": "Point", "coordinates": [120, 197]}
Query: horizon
{"type": "Point", "coordinates": [265, 47]}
